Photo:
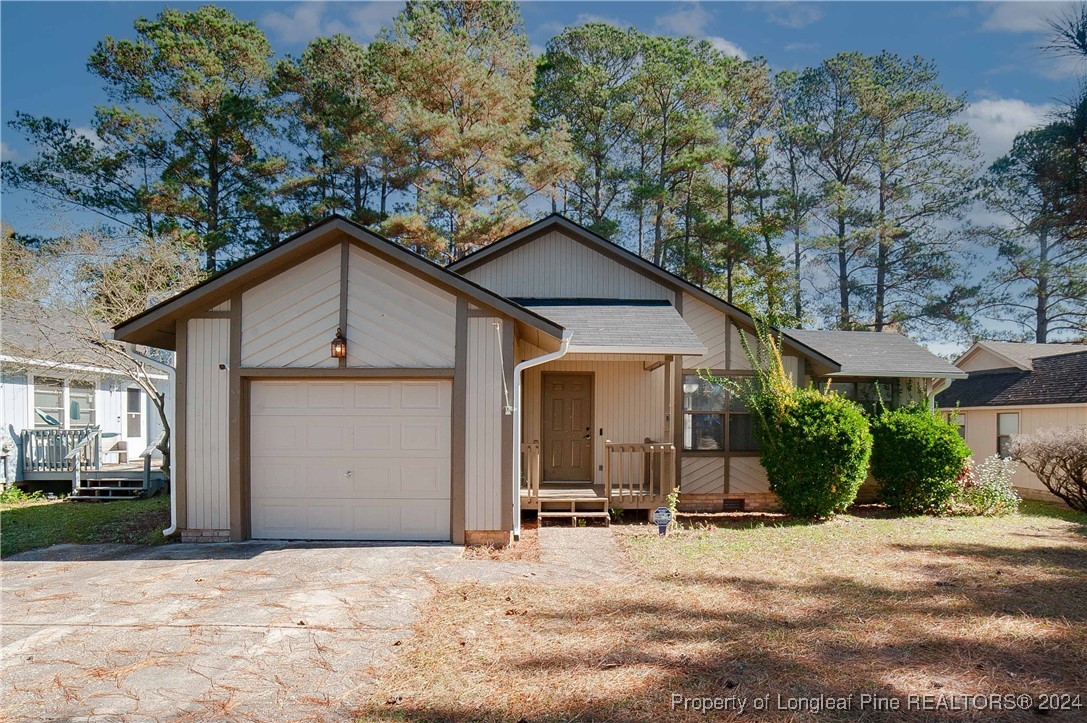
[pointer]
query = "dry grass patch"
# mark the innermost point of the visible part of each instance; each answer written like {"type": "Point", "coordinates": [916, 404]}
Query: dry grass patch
{"type": "Point", "coordinates": [527, 549]}
{"type": "Point", "coordinates": [860, 605]}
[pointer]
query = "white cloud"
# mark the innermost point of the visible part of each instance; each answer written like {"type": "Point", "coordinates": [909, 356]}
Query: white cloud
{"type": "Point", "coordinates": [727, 47]}
{"type": "Point", "coordinates": [1019, 17]}
{"type": "Point", "coordinates": [998, 120]}
{"type": "Point", "coordinates": [7, 153]}
{"type": "Point", "coordinates": [298, 25]}
{"type": "Point", "coordinates": [692, 19]}
{"type": "Point", "coordinates": [302, 23]}
{"type": "Point", "coordinates": [792, 14]}
{"type": "Point", "coordinates": [90, 135]}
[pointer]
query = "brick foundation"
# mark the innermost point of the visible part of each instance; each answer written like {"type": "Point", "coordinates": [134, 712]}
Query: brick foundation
{"type": "Point", "coordinates": [494, 538]}
{"type": "Point", "coordinates": [753, 502]}
{"type": "Point", "coordinates": [205, 535]}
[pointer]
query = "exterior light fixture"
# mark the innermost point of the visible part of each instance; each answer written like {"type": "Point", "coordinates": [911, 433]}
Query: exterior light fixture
{"type": "Point", "coordinates": [339, 345]}
{"type": "Point", "coordinates": [690, 388]}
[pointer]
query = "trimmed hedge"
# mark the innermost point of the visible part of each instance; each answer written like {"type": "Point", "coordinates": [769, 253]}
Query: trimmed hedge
{"type": "Point", "coordinates": [917, 459]}
{"type": "Point", "coordinates": [815, 448]}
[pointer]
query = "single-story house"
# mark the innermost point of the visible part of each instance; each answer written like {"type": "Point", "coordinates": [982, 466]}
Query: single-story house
{"type": "Point", "coordinates": [51, 393]}
{"type": "Point", "coordinates": [339, 386]}
{"type": "Point", "coordinates": [1014, 389]}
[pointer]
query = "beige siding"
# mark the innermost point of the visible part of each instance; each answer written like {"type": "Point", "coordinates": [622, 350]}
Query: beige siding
{"type": "Point", "coordinates": [737, 358]}
{"type": "Point", "coordinates": [983, 359]}
{"type": "Point", "coordinates": [702, 475]}
{"type": "Point", "coordinates": [395, 319]}
{"type": "Point", "coordinates": [711, 326]}
{"type": "Point", "coordinates": [981, 430]}
{"type": "Point", "coordinates": [207, 422]}
{"type": "Point", "coordinates": [746, 475]}
{"type": "Point", "coordinates": [628, 402]}
{"type": "Point", "coordinates": [483, 427]}
{"type": "Point", "coordinates": [556, 266]}
{"type": "Point", "coordinates": [289, 320]}
{"type": "Point", "coordinates": [225, 306]}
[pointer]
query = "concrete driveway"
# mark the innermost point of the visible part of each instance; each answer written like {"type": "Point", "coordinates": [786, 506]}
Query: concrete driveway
{"type": "Point", "coordinates": [250, 631]}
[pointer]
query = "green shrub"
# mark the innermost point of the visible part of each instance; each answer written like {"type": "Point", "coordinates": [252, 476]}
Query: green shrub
{"type": "Point", "coordinates": [917, 459]}
{"type": "Point", "coordinates": [814, 446]}
{"type": "Point", "coordinates": [815, 453]}
{"type": "Point", "coordinates": [986, 489]}
{"type": "Point", "coordinates": [17, 496]}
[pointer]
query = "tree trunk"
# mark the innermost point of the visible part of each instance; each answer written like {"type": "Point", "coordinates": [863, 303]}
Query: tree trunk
{"type": "Point", "coordinates": [883, 253]}
{"type": "Point", "coordinates": [797, 291]}
{"type": "Point", "coordinates": [844, 321]}
{"type": "Point", "coordinates": [213, 206]}
{"type": "Point", "coordinates": [1041, 309]}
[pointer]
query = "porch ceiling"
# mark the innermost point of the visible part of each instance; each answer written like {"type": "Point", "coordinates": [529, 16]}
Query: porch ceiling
{"type": "Point", "coordinates": [603, 326]}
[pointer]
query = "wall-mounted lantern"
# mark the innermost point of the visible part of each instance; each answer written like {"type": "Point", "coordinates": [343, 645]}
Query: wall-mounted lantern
{"type": "Point", "coordinates": [339, 345]}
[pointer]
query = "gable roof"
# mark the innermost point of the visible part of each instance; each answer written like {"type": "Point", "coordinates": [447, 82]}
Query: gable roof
{"type": "Point", "coordinates": [617, 326]}
{"type": "Point", "coordinates": [878, 354]}
{"type": "Point", "coordinates": [1021, 355]}
{"type": "Point", "coordinates": [624, 256]}
{"type": "Point", "coordinates": [1058, 379]}
{"type": "Point", "coordinates": [155, 327]}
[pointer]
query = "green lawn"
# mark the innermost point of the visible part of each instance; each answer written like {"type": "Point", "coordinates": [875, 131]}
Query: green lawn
{"type": "Point", "coordinates": [29, 525]}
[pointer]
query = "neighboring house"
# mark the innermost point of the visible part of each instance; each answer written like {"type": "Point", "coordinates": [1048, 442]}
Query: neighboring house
{"type": "Point", "coordinates": [552, 357]}
{"type": "Point", "coordinates": [1017, 389]}
{"type": "Point", "coordinates": [49, 399]}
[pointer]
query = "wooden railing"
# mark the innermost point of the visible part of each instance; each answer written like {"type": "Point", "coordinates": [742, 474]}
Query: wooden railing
{"type": "Point", "coordinates": [47, 450]}
{"type": "Point", "coordinates": [531, 471]}
{"type": "Point", "coordinates": [639, 472]}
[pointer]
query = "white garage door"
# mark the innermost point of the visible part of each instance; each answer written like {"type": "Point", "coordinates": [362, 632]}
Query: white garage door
{"type": "Point", "coordinates": [350, 460]}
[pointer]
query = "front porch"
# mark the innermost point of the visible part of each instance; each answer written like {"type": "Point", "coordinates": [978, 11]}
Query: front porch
{"type": "Point", "coordinates": [635, 477]}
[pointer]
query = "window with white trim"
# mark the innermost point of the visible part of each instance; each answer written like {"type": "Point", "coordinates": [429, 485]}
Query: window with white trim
{"type": "Point", "coordinates": [64, 404]}
{"type": "Point", "coordinates": [1007, 426]}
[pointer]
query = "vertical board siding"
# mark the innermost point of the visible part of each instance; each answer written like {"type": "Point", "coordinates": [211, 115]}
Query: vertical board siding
{"type": "Point", "coordinates": [981, 428]}
{"type": "Point", "coordinates": [289, 320]}
{"type": "Point", "coordinates": [628, 402]}
{"type": "Point", "coordinates": [394, 318]}
{"type": "Point", "coordinates": [711, 327]}
{"type": "Point", "coordinates": [702, 475]}
{"type": "Point", "coordinates": [483, 476]}
{"type": "Point", "coordinates": [207, 423]}
{"type": "Point", "coordinates": [556, 266]}
{"type": "Point", "coordinates": [225, 306]}
{"type": "Point", "coordinates": [746, 475]}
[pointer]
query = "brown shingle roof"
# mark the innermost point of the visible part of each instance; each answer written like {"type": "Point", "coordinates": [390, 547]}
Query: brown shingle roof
{"type": "Point", "coordinates": [1058, 379]}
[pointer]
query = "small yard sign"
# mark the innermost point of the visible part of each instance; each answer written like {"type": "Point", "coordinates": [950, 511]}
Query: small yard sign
{"type": "Point", "coordinates": [662, 517]}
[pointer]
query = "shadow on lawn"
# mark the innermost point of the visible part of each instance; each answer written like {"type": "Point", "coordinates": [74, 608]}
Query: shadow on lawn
{"type": "Point", "coordinates": [937, 619]}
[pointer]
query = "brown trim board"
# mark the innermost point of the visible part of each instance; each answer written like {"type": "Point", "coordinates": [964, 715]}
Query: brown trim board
{"type": "Point", "coordinates": [181, 434]}
{"type": "Point", "coordinates": [348, 372]}
{"type": "Point", "coordinates": [458, 433]}
{"type": "Point", "coordinates": [507, 428]}
{"type": "Point", "coordinates": [239, 507]}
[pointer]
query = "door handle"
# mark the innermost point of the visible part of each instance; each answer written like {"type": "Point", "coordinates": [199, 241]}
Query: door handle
{"type": "Point", "coordinates": [587, 436]}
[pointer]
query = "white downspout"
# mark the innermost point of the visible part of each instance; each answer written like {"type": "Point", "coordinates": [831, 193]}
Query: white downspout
{"type": "Point", "coordinates": [944, 384]}
{"type": "Point", "coordinates": [170, 405]}
{"type": "Point", "coordinates": [517, 402]}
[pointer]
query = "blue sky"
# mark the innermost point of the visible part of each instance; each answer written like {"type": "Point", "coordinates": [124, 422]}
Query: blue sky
{"type": "Point", "coordinates": [989, 51]}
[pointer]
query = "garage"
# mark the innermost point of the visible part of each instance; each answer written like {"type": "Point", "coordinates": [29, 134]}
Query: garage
{"type": "Point", "coordinates": [343, 459]}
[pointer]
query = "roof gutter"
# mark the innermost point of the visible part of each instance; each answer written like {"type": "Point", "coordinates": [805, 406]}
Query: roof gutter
{"type": "Point", "coordinates": [518, 391]}
{"type": "Point", "coordinates": [170, 416]}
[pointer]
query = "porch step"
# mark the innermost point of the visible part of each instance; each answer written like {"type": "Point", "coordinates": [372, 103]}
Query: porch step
{"type": "Point", "coordinates": [574, 516]}
{"type": "Point", "coordinates": [125, 490]}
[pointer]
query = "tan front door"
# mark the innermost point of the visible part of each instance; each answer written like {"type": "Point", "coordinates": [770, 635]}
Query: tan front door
{"type": "Point", "coordinates": [567, 427]}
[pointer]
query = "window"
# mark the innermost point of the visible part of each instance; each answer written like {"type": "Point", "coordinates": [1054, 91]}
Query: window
{"type": "Point", "coordinates": [133, 415]}
{"type": "Point", "coordinates": [81, 412]}
{"type": "Point", "coordinates": [60, 404]}
{"type": "Point", "coordinates": [959, 420]}
{"type": "Point", "coordinates": [867, 394]}
{"type": "Point", "coordinates": [1007, 425]}
{"type": "Point", "coordinates": [48, 403]}
{"type": "Point", "coordinates": [714, 420]}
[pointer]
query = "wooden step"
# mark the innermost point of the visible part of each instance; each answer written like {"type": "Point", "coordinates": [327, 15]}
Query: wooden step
{"type": "Point", "coordinates": [574, 516]}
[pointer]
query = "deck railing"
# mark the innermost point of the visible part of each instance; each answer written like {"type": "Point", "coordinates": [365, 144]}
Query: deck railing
{"type": "Point", "coordinates": [46, 450]}
{"type": "Point", "coordinates": [531, 470]}
{"type": "Point", "coordinates": [639, 472]}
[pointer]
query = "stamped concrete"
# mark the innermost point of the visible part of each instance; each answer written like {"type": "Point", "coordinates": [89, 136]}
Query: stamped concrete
{"type": "Point", "coordinates": [246, 631]}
